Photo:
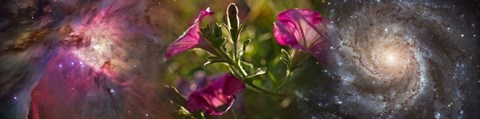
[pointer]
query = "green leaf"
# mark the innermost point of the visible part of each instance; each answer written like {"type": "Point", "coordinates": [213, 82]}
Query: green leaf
{"type": "Point", "coordinates": [272, 77]}
{"type": "Point", "coordinates": [184, 112]}
{"type": "Point", "coordinates": [285, 61]}
{"type": "Point", "coordinates": [240, 53]}
{"type": "Point", "coordinates": [244, 48]}
{"type": "Point", "coordinates": [261, 71]}
{"type": "Point", "coordinates": [212, 60]}
{"type": "Point", "coordinates": [258, 72]}
{"type": "Point", "coordinates": [250, 65]}
{"type": "Point", "coordinates": [224, 48]}
{"type": "Point", "coordinates": [213, 33]}
{"type": "Point", "coordinates": [246, 43]}
{"type": "Point", "coordinates": [225, 27]}
{"type": "Point", "coordinates": [232, 16]}
{"type": "Point", "coordinates": [286, 54]}
{"type": "Point", "coordinates": [218, 42]}
{"type": "Point", "coordinates": [218, 30]}
{"type": "Point", "coordinates": [175, 96]}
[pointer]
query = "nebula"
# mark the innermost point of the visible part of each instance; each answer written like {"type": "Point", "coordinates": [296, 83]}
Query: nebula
{"type": "Point", "coordinates": [79, 59]}
{"type": "Point", "coordinates": [399, 59]}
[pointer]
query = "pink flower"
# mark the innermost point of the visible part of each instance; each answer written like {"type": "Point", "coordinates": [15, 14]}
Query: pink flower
{"type": "Point", "coordinates": [216, 98]}
{"type": "Point", "coordinates": [190, 38]}
{"type": "Point", "coordinates": [301, 29]}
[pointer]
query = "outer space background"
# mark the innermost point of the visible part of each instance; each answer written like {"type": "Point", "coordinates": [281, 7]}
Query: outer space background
{"type": "Point", "coordinates": [102, 59]}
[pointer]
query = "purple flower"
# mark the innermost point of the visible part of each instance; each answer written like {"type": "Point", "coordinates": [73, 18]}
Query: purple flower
{"type": "Point", "coordinates": [190, 38]}
{"type": "Point", "coordinates": [216, 98]}
{"type": "Point", "coordinates": [301, 29]}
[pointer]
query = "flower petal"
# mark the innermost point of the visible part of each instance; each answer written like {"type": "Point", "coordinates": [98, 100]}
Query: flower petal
{"type": "Point", "coordinates": [285, 35]}
{"type": "Point", "coordinates": [229, 84]}
{"type": "Point", "coordinates": [190, 38]}
{"type": "Point", "coordinates": [221, 93]}
{"type": "Point", "coordinates": [218, 112]}
{"type": "Point", "coordinates": [196, 102]}
{"type": "Point", "coordinates": [300, 28]}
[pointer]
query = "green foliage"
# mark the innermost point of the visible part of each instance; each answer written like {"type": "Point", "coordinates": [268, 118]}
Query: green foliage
{"type": "Point", "coordinates": [248, 50]}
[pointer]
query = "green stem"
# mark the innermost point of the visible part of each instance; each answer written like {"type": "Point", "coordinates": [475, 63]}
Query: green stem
{"type": "Point", "coordinates": [239, 72]}
{"type": "Point", "coordinates": [288, 74]}
{"type": "Point", "coordinates": [240, 67]}
{"type": "Point", "coordinates": [244, 74]}
{"type": "Point", "coordinates": [260, 89]}
{"type": "Point", "coordinates": [296, 58]}
{"type": "Point", "coordinates": [235, 116]}
{"type": "Point", "coordinates": [234, 49]}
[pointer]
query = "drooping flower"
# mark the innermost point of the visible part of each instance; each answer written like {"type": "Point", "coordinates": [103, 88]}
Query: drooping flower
{"type": "Point", "coordinates": [216, 98]}
{"type": "Point", "coordinates": [301, 29]}
{"type": "Point", "coordinates": [190, 38]}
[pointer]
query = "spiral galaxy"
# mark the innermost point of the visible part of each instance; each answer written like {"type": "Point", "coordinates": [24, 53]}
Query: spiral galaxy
{"type": "Point", "coordinates": [399, 59]}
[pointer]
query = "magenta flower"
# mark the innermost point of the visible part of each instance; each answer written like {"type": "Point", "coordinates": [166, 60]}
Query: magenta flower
{"type": "Point", "coordinates": [301, 29]}
{"type": "Point", "coordinates": [190, 38]}
{"type": "Point", "coordinates": [216, 98]}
